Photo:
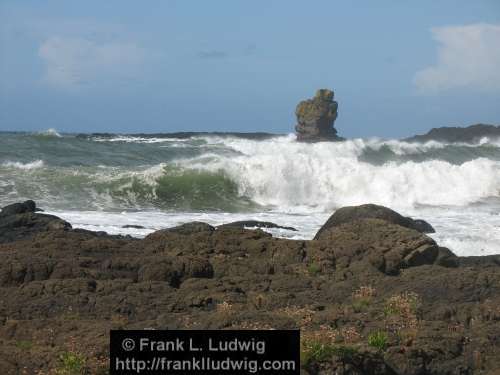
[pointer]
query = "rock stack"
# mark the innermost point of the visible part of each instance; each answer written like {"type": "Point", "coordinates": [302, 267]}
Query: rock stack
{"type": "Point", "coordinates": [316, 116]}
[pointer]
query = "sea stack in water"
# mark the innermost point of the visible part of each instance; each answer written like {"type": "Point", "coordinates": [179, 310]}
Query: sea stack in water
{"type": "Point", "coordinates": [316, 116]}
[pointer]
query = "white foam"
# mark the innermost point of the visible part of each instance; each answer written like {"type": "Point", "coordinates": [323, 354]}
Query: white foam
{"type": "Point", "coordinates": [356, 144]}
{"type": "Point", "coordinates": [471, 231]}
{"type": "Point", "coordinates": [113, 222]}
{"type": "Point", "coordinates": [288, 174]}
{"type": "Point", "coordinates": [50, 133]}
{"type": "Point", "coordinates": [24, 166]}
{"type": "Point", "coordinates": [134, 139]}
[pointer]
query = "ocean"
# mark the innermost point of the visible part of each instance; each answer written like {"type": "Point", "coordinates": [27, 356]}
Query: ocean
{"type": "Point", "coordinates": [104, 182]}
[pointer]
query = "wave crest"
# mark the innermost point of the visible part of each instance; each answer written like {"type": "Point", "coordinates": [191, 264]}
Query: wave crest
{"type": "Point", "coordinates": [37, 164]}
{"type": "Point", "coordinates": [232, 173]}
{"type": "Point", "coordinates": [49, 133]}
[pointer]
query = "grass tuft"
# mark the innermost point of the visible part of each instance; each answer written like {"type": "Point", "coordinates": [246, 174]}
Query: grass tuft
{"type": "Point", "coordinates": [313, 269]}
{"type": "Point", "coordinates": [317, 351]}
{"type": "Point", "coordinates": [72, 363]}
{"type": "Point", "coordinates": [378, 340]}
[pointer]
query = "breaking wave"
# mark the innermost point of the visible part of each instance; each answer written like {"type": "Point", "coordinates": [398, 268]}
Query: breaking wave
{"type": "Point", "coordinates": [24, 166]}
{"type": "Point", "coordinates": [49, 133]}
{"type": "Point", "coordinates": [233, 174]}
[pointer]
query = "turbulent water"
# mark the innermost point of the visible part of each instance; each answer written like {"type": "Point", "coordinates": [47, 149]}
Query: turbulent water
{"type": "Point", "coordinates": [105, 182]}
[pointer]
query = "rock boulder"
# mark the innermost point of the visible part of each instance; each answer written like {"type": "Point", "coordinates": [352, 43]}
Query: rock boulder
{"type": "Point", "coordinates": [372, 211]}
{"type": "Point", "coordinates": [316, 117]}
{"type": "Point", "coordinates": [20, 220]}
{"type": "Point", "coordinates": [386, 246]}
{"type": "Point", "coordinates": [18, 208]}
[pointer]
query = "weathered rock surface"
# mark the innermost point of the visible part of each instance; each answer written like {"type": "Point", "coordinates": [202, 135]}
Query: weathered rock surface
{"type": "Point", "coordinates": [18, 208]}
{"type": "Point", "coordinates": [388, 247]}
{"type": "Point", "coordinates": [20, 220]}
{"type": "Point", "coordinates": [469, 134]}
{"type": "Point", "coordinates": [189, 228]}
{"type": "Point", "coordinates": [372, 211]}
{"type": "Point", "coordinates": [316, 117]}
{"type": "Point", "coordinates": [440, 313]}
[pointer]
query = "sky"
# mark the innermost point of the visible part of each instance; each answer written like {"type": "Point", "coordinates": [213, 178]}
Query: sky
{"type": "Point", "coordinates": [397, 67]}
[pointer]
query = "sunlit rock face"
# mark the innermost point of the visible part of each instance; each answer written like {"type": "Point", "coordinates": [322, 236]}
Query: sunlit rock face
{"type": "Point", "coordinates": [316, 117]}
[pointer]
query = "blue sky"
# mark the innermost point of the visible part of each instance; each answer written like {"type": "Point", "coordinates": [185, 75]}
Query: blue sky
{"type": "Point", "coordinates": [397, 67]}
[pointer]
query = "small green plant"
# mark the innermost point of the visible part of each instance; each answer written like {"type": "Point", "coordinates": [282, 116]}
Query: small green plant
{"type": "Point", "coordinates": [360, 305]}
{"type": "Point", "coordinates": [313, 269]}
{"type": "Point", "coordinates": [378, 340]}
{"type": "Point", "coordinates": [72, 363]}
{"type": "Point", "coordinates": [316, 352]}
{"type": "Point", "coordinates": [24, 345]}
{"type": "Point", "coordinates": [320, 352]}
{"type": "Point", "coordinates": [389, 310]}
{"type": "Point", "coordinates": [362, 297]}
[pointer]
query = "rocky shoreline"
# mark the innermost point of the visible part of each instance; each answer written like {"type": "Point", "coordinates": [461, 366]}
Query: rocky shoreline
{"type": "Point", "coordinates": [472, 133]}
{"type": "Point", "coordinates": [371, 293]}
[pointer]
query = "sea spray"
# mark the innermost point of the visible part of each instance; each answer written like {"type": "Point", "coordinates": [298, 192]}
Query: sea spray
{"type": "Point", "coordinates": [231, 174]}
{"type": "Point", "coordinates": [103, 183]}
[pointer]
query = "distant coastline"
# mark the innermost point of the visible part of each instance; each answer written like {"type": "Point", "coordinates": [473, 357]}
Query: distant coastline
{"type": "Point", "coordinates": [470, 133]}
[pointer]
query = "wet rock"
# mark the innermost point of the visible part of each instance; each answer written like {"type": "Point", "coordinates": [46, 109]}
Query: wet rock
{"type": "Point", "coordinates": [316, 117]}
{"type": "Point", "coordinates": [132, 226]}
{"type": "Point", "coordinates": [372, 211]}
{"type": "Point", "coordinates": [420, 225]}
{"type": "Point", "coordinates": [255, 224]}
{"type": "Point", "coordinates": [18, 208]}
{"type": "Point", "coordinates": [190, 228]}
{"type": "Point", "coordinates": [20, 225]}
{"type": "Point", "coordinates": [446, 258]}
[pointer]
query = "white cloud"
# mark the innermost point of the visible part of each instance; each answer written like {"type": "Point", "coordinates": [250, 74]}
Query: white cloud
{"type": "Point", "coordinates": [468, 57]}
{"type": "Point", "coordinates": [74, 61]}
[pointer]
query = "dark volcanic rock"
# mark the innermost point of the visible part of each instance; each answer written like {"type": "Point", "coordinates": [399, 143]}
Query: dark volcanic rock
{"type": "Point", "coordinates": [190, 228]}
{"type": "Point", "coordinates": [255, 224]}
{"type": "Point", "coordinates": [316, 116]}
{"type": "Point", "coordinates": [469, 134]}
{"type": "Point", "coordinates": [361, 277]}
{"type": "Point", "coordinates": [388, 247]}
{"type": "Point", "coordinates": [20, 220]}
{"type": "Point", "coordinates": [420, 225]}
{"type": "Point", "coordinates": [483, 261]}
{"type": "Point", "coordinates": [18, 208]}
{"type": "Point", "coordinates": [446, 258]}
{"type": "Point", "coordinates": [133, 226]}
{"type": "Point", "coordinates": [373, 211]}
